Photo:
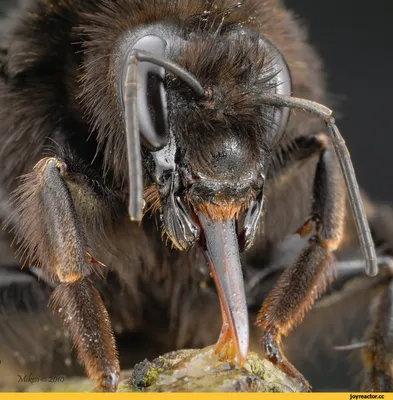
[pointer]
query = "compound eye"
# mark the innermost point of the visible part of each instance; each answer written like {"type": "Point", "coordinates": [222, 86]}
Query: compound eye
{"type": "Point", "coordinates": [282, 86]}
{"type": "Point", "coordinates": [278, 76]}
{"type": "Point", "coordinates": [152, 104]}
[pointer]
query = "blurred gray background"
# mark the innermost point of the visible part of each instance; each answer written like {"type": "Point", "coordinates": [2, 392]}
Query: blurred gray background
{"type": "Point", "coordinates": [355, 40]}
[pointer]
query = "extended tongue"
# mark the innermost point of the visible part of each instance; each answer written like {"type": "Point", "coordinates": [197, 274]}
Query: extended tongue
{"type": "Point", "coordinates": [222, 252]}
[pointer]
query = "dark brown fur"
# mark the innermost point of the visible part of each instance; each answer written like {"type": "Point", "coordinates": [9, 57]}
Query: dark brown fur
{"type": "Point", "coordinates": [45, 111]}
{"type": "Point", "coordinates": [97, 38]}
{"type": "Point", "coordinates": [58, 90]}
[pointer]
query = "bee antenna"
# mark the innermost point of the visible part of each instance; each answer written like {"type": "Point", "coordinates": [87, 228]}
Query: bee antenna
{"type": "Point", "coordinates": [135, 205]}
{"type": "Point", "coordinates": [130, 99]}
{"type": "Point", "coordinates": [344, 158]}
{"type": "Point", "coordinates": [175, 69]}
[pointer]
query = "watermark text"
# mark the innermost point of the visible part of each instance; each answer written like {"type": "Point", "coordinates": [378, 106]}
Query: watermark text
{"type": "Point", "coordinates": [31, 378]}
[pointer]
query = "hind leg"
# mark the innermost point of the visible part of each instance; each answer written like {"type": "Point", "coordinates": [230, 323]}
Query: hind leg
{"type": "Point", "coordinates": [378, 353]}
{"type": "Point", "coordinates": [377, 350]}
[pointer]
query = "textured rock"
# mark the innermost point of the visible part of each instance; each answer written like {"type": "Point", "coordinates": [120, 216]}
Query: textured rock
{"type": "Point", "coordinates": [201, 371]}
{"type": "Point", "coordinates": [188, 371]}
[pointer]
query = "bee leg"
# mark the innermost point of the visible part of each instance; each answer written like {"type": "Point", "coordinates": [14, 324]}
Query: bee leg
{"type": "Point", "coordinates": [52, 234]}
{"type": "Point", "coordinates": [84, 313]}
{"type": "Point", "coordinates": [300, 150]}
{"type": "Point", "coordinates": [378, 353]}
{"type": "Point", "coordinates": [303, 281]}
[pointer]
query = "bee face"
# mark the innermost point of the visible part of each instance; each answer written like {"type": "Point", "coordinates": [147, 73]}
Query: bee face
{"type": "Point", "coordinates": [226, 177]}
{"type": "Point", "coordinates": [219, 147]}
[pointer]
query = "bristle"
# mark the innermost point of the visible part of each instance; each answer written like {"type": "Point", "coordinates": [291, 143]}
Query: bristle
{"type": "Point", "coordinates": [220, 213]}
{"type": "Point", "coordinates": [29, 235]}
{"type": "Point", "coordinates": [152, 198]}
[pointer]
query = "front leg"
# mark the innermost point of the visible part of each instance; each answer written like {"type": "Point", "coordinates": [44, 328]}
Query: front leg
{"type": "Point", "coordinates": [52, 235]}
{"type": "Point", "coordinates": [303, 281]}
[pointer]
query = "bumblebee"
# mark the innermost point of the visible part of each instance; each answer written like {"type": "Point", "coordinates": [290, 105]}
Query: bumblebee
{"type": "Point", "coordinates": [146, 145]}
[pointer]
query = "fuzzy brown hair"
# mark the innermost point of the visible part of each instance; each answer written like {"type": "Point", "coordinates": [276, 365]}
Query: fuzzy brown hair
{"type": "Point", "coordinates": [76, 42]}
{"type": "Point", "coordinates": [205, 59]}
